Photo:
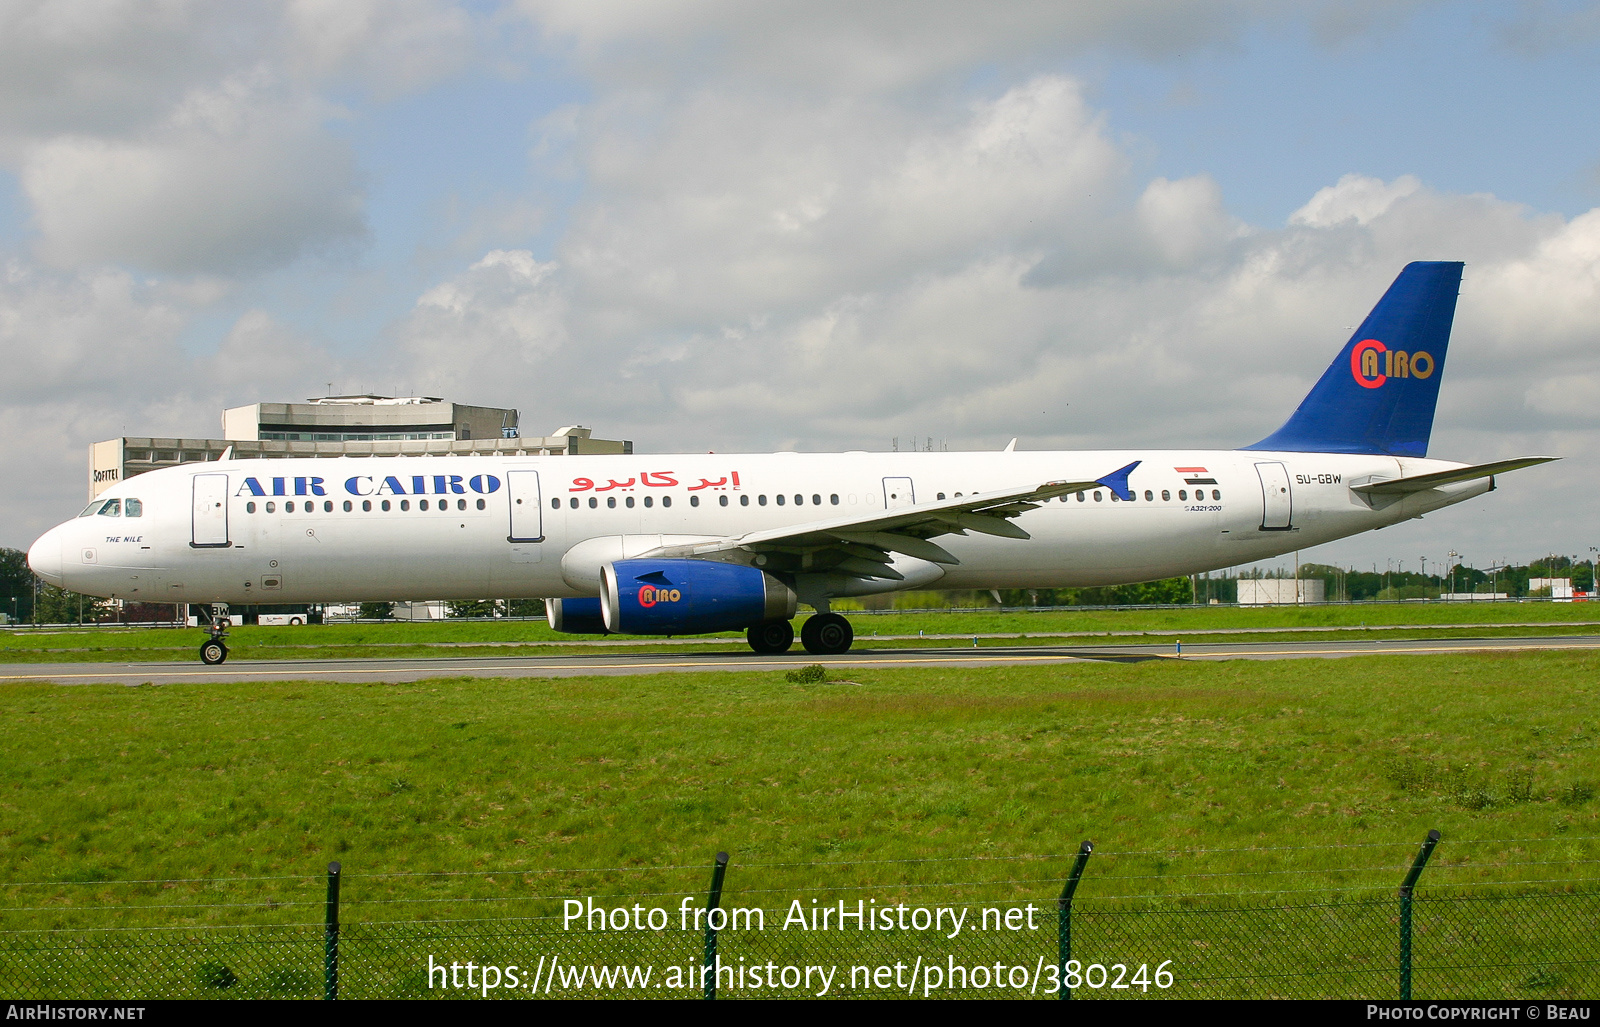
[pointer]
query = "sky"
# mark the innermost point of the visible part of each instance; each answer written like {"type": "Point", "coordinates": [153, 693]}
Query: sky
{"type": "Point", "coordinates": [702, 224]}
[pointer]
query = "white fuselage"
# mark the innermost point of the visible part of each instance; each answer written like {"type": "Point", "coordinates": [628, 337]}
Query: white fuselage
{"type": "Point", "coordinates": [371, 529]}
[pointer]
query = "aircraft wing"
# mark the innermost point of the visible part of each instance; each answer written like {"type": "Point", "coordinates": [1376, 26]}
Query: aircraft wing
{"type": "Point", "coordinates": [862, 545]}
{"type": "Point", "coordinates": [1423, 482]}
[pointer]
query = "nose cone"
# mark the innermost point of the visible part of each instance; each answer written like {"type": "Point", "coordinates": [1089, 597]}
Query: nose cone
{"type": "Point", "coordinates": [45, 557]}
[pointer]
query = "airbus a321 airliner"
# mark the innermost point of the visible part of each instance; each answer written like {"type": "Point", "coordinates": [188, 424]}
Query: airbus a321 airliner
{"type": "Point", "coordinates": [682, 545]}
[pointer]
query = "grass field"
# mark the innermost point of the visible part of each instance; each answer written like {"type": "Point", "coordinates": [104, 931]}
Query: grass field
{"type": "Point", "coordinates": [1368, 620]}
{"type": "Point", "coordinates": [109, 783]}
{"type": "Point", "coordinates": [1285, 782]}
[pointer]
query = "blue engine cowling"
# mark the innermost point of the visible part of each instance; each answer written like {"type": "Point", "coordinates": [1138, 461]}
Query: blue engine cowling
{"type": "Point", "coordinates": [689, 597]}
{"type": "Point", "coordinates": [575, 616]}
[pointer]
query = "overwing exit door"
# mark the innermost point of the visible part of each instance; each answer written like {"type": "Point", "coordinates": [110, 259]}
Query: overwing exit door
{"type": "Point", "coordinates": [898, 492]}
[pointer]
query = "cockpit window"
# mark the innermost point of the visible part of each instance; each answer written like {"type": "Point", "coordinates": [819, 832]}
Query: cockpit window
{"type": "Point", "coordinates": [111, 508]}
{"type": "Point", "coordinates": [132, 508]}
{"type": "Point", "coordinates": [91, 509]}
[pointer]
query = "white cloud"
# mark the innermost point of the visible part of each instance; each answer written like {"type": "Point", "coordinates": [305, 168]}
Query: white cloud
{"type": "Point", "coordinates": [844, 47]}
{"type": "Point", "coordinates": [237, 178]}
{"type": "Point", "coordinates": [394, 46]}
{"type": "Point", "coordinates": [1357, 198]}
{"type": "Point", "coordinates": [1187, 219]}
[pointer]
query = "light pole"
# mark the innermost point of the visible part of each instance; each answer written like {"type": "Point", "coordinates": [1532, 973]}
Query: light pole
{"type": "Point", "coordinates": [1455, 557]}
{"type": "Point", "coordinates": [1594, 585]}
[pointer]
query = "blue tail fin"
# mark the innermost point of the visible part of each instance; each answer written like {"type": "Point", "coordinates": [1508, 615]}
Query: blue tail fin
{"type": "Point", "coordinates": [1379, 394]}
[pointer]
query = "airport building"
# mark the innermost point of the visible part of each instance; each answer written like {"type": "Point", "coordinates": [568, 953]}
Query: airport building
{"type": "Point", "coordinates": [345, 426]}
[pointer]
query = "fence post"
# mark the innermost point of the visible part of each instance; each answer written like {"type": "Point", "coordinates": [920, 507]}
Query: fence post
{"type": "Point", "coordinates": [1405, 911]}
{"type": "Point", "coordinates": [711, 933]}
{"type": "Point", "coordinates": [330, 938]}
{"type": "Point", "coordinates": [1064, 918]}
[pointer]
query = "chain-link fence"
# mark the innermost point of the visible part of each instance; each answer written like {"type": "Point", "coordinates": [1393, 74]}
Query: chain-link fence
{"type": "Point", "coordinates": [907, 929]}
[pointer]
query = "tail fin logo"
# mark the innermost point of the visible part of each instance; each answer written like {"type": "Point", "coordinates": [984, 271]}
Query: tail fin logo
{"type": "Point", "coordinates": [1372, 363]}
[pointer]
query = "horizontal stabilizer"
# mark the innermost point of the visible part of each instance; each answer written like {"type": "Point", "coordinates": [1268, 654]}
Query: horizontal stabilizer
{"type": "Point", "coordinates": [1423, 482]}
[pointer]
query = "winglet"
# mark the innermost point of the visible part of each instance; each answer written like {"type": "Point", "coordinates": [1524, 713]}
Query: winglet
{"type": "Point", "coordinates": [1117, 481]}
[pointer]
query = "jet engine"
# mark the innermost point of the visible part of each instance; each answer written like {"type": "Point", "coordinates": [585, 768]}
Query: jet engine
{"type": "Point", "coordinates": [575, 616]}
{"type": "Point", "coordinates": [689, 597]}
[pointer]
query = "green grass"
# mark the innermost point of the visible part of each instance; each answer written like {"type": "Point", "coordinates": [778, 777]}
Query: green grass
{"type": "Point", "coordinates": [112, 783]}
{"type": "Point", "coordinates": [1272, 782]}
{"type": "Point", "coordinates": [534, 637]}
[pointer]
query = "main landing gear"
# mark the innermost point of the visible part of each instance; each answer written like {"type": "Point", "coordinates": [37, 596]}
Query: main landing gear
{"type": "Point", "coordinates": [214, 650]}
{"type": "Point", "coordinates": [826, 634]}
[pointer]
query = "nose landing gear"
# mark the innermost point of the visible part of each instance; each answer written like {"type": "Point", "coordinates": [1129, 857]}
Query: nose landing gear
{"type": "Point", "coordinates": [214, 650]}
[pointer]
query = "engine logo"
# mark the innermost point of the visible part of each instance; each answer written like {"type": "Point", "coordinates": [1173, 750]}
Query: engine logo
{"type": "Point", "coordinates": [649, 595]}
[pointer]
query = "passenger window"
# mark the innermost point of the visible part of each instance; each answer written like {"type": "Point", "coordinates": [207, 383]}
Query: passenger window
{"type": "Point", "coordinates": [666, 500]}
{"type": "Point", "coordinates": [272, 508]}
{"type": "Point", "coordinates": [722, 500]}
{"type": "Point", "coordinates": [405, 504]}
{"type": "Point", "coordinates": [366, 506]}
{"type": "Point", "coordinates": [834, 499]}
{"type": "Point", "coordinates": [940, 496]}
{"type": "Point", "coordinates": [694, 500]}
{"type": "Point", "coordinates": [1149, 497]}
{"type": "Point", "coordinates": [611, 502]}
{"type": "Point", "coordinates": [289, 506]}
{"type": "Point", "coordinates": [1216, 494]}
{"type": "Point", "coordinates": [1080, 497]}
{"type": "Point", "coordinates": [799, 500]}
{"type": "Point", "coordinates": [744, 500]}
{"type": "Point", "coordinates": [133, 508]}
{"type": "Point", "coordinates": [573, 502]}
{"type": "Point", "coordinates": [593, 503]}
{"type": "Point", "coordinates": [779, 499]}
{"type": "Point", "coordinates": [1183, 495]}
{"type": "Point", "coordinates": [761, 500]}
{"type": "Point", "coordinates": [649, 501]}
{"type": "Point", "coordinates": [422, 504]}
{"type": "Point", "coordinates": [461, 504]}
{"type": "Point", "coordinates": [249, 508]}
{"type": "Point", "coordinates": [816, 500]}
{"type": "Point", "coordinates": [1166, 496]}
{"type": "Point", "coordinates": [385, 506]}
{"type": "Point", "coordinates": [1097, 497]}
{"type": "Point", "coordinates": [348, 506]}
{"type": "Point", "coordinates": [628, 502]}
{"type": "Point", "coordinates": [327, 506]}
{"type": "Point", "coordinates": [555, 504]}
{"type": "Point", "coordinates": [481, 504]}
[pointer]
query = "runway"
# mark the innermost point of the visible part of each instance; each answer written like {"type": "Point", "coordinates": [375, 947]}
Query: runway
{"type": "Point", "coordinates": [741, 659]}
